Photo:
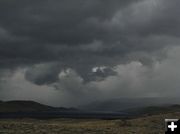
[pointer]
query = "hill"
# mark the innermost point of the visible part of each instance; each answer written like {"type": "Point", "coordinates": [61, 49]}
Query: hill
{"type": "Point", "coordinates": [31, 109]}
{"type": "Point", "coordinates": [128, 103]}
{"type": "Point", "coordinates": [153, 110]}
{"type": "Point", "coordinates": [26, 106]}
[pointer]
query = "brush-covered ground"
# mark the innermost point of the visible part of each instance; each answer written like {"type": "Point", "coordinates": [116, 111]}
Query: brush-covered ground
{"type": "Point", "coordinates": [153, 124]}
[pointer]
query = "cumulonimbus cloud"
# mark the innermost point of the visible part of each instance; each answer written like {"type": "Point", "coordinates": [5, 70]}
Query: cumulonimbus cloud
{"type": "Point", "coordinates": [96, 40]}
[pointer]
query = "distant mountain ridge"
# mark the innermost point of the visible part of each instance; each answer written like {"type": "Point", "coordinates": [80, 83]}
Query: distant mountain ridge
{"type": "Point", "coordinates": [113, 105]}
{"type": "Point", "coordinates": [128, 103]}
{"type": "Point", "coordinates": [110, 110]}
{"type": "Point", "coordinates": [153, 110]}
{"type": "Point", "coordinates": [28, 106]}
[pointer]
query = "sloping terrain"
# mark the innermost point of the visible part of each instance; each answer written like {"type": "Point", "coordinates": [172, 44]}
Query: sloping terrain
{"type": "Point", "coordinates": [146, 120]}
{"type": "Point", "coordinates": [26, 106]}
{"type": "Point", "coordinates": [152, 110]}
{"type": "Point", "coordinates": [30, 109]}
{"type": "Point", "coordinates": [120, 104]}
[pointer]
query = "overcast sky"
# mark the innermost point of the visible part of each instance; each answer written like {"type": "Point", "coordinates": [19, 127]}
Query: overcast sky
{"type": "Point", "coordinates": [72, 52]}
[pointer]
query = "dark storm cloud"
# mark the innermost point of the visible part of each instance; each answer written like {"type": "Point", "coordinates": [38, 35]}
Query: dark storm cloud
{"type": "Point", "coordinates": [84, 34]}
{"type": "Point", "coordinates": [57, 22]}
{"type": "Point", "coordinates": [51, 29]}
{"type": "Point", "coordinates": [43, 73]}
{"type": "Point", "coordinates": [40, 31]}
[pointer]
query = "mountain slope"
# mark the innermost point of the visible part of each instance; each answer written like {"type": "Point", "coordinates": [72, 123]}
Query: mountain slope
{"type": "Point", "coordinates": [153, 110]}
{"type": "Point", "coordinates": [128, 103]}
{"type": "Point", "coordinates": [26, 106]}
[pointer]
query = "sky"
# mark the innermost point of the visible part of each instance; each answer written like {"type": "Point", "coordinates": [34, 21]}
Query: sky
{"type": "Point", "coordinates": [73, 52]}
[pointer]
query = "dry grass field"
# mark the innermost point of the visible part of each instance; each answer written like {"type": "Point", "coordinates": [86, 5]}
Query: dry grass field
{"type": "Point", "coordinates": [142, 125]}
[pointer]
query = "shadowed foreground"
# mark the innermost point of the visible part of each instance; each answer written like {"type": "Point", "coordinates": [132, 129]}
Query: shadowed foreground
{"type": "Point", "coordinates": [142, 125]}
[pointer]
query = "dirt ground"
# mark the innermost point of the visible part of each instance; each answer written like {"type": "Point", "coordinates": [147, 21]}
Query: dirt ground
{"type": "Point", "coordinates": [143, 125]}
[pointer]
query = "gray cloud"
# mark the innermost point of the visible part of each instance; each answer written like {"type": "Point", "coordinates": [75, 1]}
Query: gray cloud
{"type": "Point", "coordinates": [57, 30]}
{"type": "Point", "coordinates": [132, 79]}
{"type": "Point", "coordinates": [43, 73]}
{"type": "Point", "coordinates": [48, 37]}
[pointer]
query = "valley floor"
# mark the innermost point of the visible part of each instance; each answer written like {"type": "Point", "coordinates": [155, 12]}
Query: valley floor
{"type": "Point", "coordinates": [142, 125]}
